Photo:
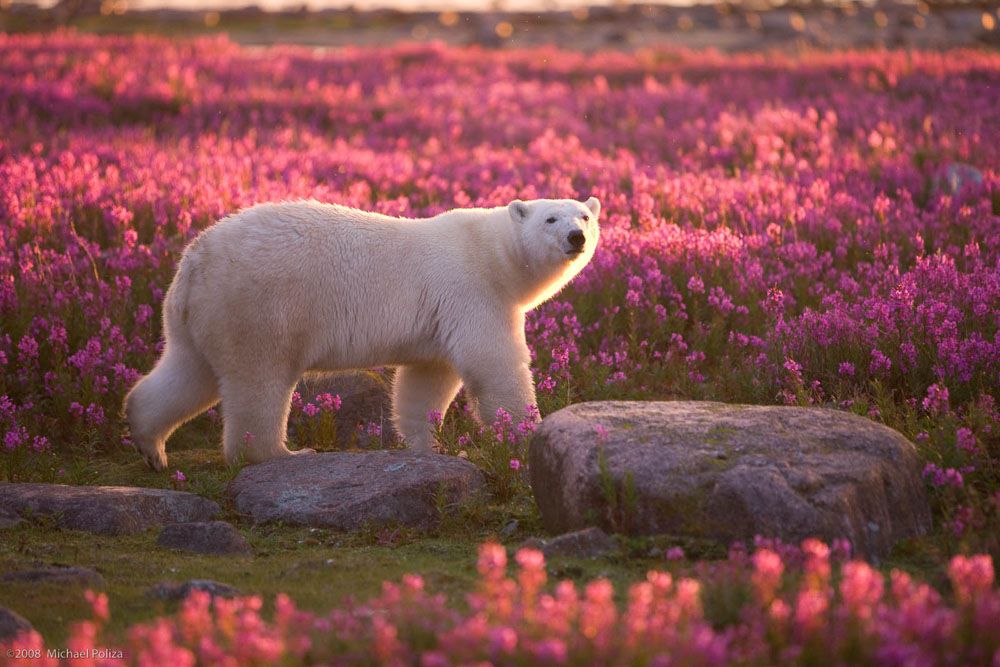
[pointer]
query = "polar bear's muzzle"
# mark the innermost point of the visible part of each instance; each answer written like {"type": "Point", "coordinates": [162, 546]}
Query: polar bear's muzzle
{"type": "Point", "coordinates": [576, 241]}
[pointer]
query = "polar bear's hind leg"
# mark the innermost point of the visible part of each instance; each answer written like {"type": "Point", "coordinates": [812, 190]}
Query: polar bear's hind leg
{"type": "Point", "coordinates": [181, 386]}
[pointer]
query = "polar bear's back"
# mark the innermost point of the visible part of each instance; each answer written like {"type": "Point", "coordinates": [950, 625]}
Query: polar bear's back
{"type": "Point", "coordinates": [286, 271]}
{"type": "Point", "coordinates": [291, 237]}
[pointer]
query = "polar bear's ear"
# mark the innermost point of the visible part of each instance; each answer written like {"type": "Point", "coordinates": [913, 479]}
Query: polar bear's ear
{"type": "Point", "coordinates": [594, 205]}
{"type": "Point", "coordinates": [518, 210]}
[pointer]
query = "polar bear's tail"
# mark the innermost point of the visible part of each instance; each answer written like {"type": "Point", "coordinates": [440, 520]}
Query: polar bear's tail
{"type": "Point", "coordinates": [176, 305]}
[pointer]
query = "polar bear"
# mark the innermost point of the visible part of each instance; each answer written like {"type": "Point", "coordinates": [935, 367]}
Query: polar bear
{"type": "Point", "coordinates": [281, 289]}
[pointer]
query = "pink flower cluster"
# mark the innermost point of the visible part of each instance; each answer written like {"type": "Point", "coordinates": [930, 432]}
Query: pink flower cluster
{"type": "Point", "coordinates": [323, 403]}
{"type": "Point", "coordinates": [793, 610]}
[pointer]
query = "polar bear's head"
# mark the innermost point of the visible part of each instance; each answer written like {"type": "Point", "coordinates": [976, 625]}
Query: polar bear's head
{"type": "Point", "coordinates": [557, 231]}
{"type": "Point", "coordinates": [557, 239]}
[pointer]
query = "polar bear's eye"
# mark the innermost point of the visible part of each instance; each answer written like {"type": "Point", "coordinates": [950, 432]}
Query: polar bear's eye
{"type": "Point", "coordinates": [550, 220]}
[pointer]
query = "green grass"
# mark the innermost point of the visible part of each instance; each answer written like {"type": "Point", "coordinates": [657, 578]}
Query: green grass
{"type": "Point", "coordinates": [317, 568]}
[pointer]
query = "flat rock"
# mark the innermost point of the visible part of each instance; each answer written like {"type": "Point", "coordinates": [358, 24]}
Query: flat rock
{"type": "Point", "coordinates": [728, 472]}
{"type": "Point", "coordinates": [347, 490]}
{"type": "Point", "coordinates": [365, 398]}
{"type": "Point", "coordinates": [12, 624]}
{"type": "Point", "coordinates": [587, 543]}
{"type": "Point", "coordinates": [56, 574]}
{"type": "Point", "coordinates": [204, 537]}
{"type": "Point", "coordinates": [170, 591]}
{"type": "Point", "coordinates": [106, 510]}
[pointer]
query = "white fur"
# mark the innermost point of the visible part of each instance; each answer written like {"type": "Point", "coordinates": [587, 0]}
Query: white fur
{"type": "Point", "coordinates": [281, 289]}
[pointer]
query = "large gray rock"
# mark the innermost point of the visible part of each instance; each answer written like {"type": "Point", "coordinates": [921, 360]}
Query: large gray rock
{"type": "Point", "coordinates": [728, 472]}
{"type": "Point", "coordinates": [217, 538]}
{"type": "Point", "coordinates": [365, 398]}
{"type": "Point", "coordinates": [346, 490]}
{"type": "Point", "coordinates": [106, 510]}
{"type": "Point", "coordinates": [12, 624]}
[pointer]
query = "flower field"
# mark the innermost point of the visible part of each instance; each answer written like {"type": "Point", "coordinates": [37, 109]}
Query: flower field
{"type": "Point", "coordinates": [819, 229]}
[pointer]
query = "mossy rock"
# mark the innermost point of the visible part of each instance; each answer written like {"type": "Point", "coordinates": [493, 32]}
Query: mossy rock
{"type": "Point", "coordinates": [711, 470]}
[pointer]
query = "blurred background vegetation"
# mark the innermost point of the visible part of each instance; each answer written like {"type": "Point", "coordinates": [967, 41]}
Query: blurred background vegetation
{"type": "Point", "coordinates": [753, 25]}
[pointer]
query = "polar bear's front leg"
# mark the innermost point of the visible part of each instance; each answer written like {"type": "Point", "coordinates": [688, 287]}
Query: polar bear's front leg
{"type": "Point", "coordinates": [513, 394]}
{"type": "Point", "coordinates": [255, 417]}
{"type": "Point", "coordinates": [498, 376]}
{"type": "Point", "coordinates": [418, 389]}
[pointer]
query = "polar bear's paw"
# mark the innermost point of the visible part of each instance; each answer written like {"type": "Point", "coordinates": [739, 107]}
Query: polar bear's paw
{"type": "Point", "coordinates": [304, 450]}
{"type": "Point", "coordinates": [155, 455]}
{"type": "Point", "coordinates": [155, 458]}
{"type": "Point", "coordinates": [157, 461]}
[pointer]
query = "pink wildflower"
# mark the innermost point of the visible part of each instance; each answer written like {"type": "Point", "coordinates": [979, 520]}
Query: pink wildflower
{"type": "Point", "coordinates": [966, 440]}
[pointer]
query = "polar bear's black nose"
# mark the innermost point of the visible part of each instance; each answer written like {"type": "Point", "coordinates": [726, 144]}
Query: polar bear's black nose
{"type": "Point", "coordinates": [576, 239]}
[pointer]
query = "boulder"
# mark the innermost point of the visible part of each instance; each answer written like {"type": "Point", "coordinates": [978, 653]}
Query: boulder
{"type": "Point", "coordinates": [12, 624]}
{"type": "Point", "coordinates": [106, 510]}
{"type": "Point", "coordinates": [56, 574]}
{"type": "Point", "coordinates": [586, 543]}
{"type": "Point", "coordinates": [205, 537]}
{"type": "Point", "coordinates": [347, 490]}
{"type": "Point", "coordinates": [728, 472]}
